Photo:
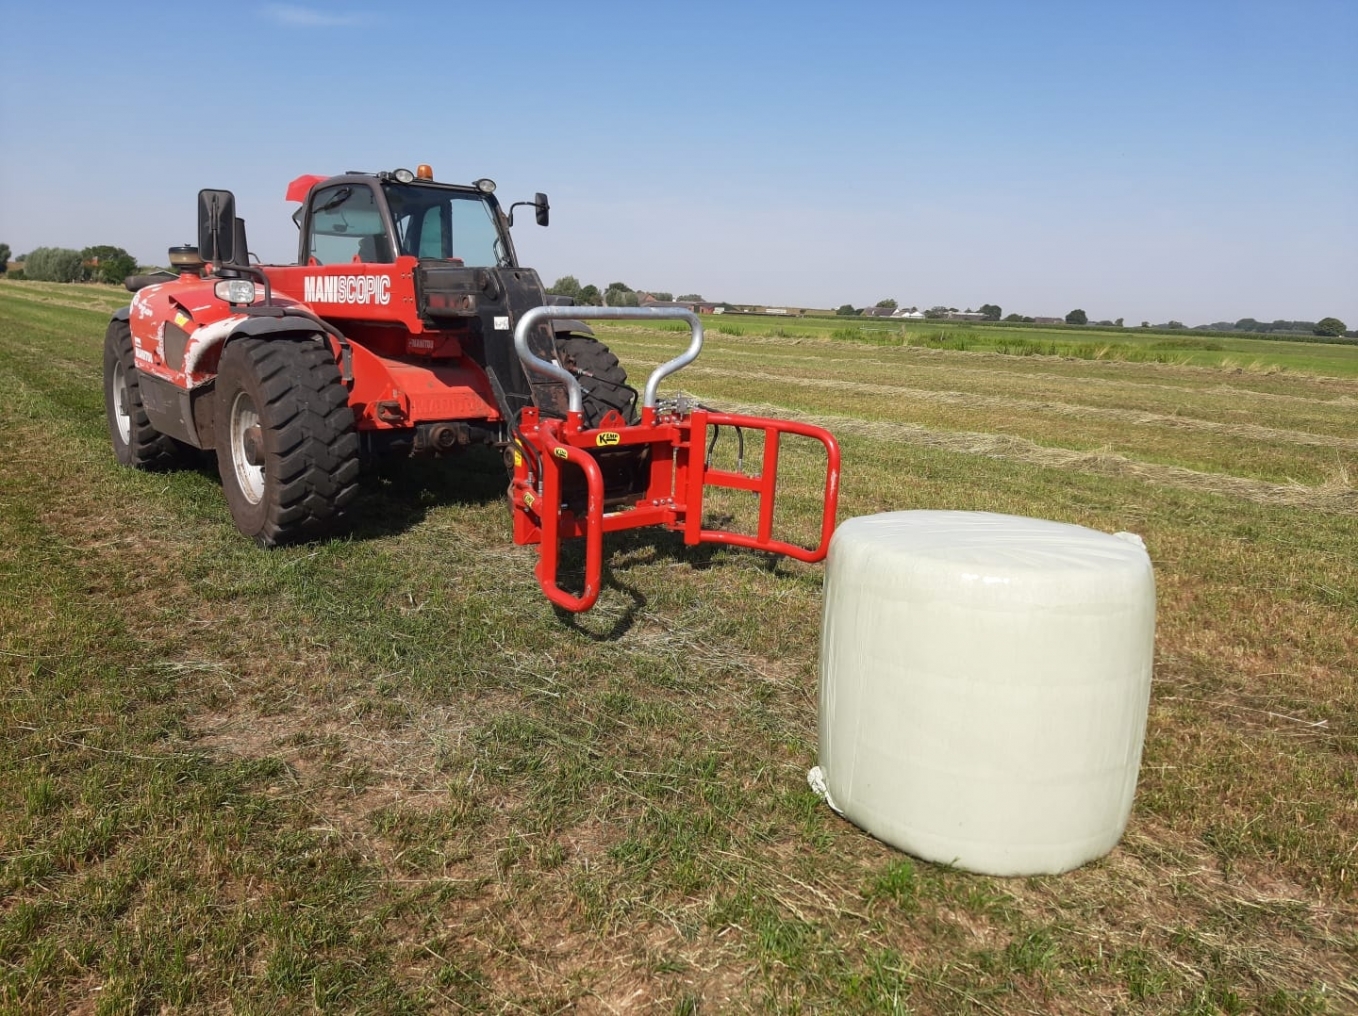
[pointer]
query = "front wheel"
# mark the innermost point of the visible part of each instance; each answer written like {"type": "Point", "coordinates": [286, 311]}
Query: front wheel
{"type": "Point", "coordinates": [604, 387]}
{"type": "Point", "coordinates": [287, 450]}
{"type": "Point", "coordinates": [603, 382]}
{"type": "Point", "coordinates": [135, 441]}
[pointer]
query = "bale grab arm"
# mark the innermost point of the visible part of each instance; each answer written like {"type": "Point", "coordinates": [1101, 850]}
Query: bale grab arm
{"type": "Point", "coordinates": [679, 472]}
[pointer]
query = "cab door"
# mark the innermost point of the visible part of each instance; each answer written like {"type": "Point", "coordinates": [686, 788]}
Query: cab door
{"type": "Point", "coordinates": [347, 222]}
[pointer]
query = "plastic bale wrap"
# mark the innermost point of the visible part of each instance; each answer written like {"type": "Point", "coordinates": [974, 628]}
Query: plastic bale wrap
{"type": "Point", "coordinates": [984, 686]}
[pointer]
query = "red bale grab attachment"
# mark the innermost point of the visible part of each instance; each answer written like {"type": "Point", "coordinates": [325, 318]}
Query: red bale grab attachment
{"type": "Point", "coordinates": [678, 471]}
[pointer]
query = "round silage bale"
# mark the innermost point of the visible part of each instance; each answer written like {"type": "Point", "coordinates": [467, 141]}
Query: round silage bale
{"type": "Point", "coordinates": [984, 686]}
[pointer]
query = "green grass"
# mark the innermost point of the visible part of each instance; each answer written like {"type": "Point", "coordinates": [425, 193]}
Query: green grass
{"type": "Point", "coordinates": [382, 774]}
{"type": "Point", "coordinates": [1127, 344]}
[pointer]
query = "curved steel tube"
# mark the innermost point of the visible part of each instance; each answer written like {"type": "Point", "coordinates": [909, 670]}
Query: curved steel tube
{"type": "Point", "coordinates": [535, 363]}
{"type": "Point", "coordinates": [551, 521]}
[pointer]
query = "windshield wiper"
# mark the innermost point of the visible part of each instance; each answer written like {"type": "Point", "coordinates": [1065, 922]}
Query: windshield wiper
{"type": "Point", "coordinates": [345, 193]}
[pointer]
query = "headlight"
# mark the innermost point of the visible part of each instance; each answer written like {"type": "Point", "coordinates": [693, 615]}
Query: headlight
{"type": "Point", "coordinates": [235, 290]}
{"type": "Point", "coordinates": [484, 185]}
{"type": "Point", "coordinates": [404, 176]}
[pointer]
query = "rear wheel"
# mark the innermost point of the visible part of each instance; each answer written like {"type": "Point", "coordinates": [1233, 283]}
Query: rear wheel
{"type": "Point", "coordinates": [603, 382]}
{"type": "Point", "coordinates": [287, 450]}
{"type": "Point", "coordinates": [135, 442]}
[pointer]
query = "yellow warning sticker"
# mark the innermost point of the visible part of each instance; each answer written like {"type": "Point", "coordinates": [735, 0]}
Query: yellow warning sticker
{"type": "Point", "coordinates": [181, 319]}
{"type": "Point", "coordinates": [607, 437]}
{"type": "Point", "coordinates": [528, 500]}
{"type": "Point", "coordinates": [518, 458]}
{"type": "Point", "coordinates": [561, 453]}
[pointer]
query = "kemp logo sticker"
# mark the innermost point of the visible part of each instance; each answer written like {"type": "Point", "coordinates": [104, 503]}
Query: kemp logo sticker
{"type": "Point", "coordinates": [561, 453]}
{"type": "Point", "coordinates": [362, 289]}
{"type": "Point", "coordinates": [607, 437]}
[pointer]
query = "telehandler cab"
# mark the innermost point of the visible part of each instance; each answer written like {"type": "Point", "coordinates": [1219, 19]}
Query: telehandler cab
{"type": "Point", "coordinates": [407, 327]}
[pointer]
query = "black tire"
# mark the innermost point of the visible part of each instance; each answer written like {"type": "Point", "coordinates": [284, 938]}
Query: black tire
{"type": "Point", "coordinates": [135, 442]}
{"type": "Point", "coordinates": [603, 382]}
{"type": "Point", "coordinates": [287, 450]}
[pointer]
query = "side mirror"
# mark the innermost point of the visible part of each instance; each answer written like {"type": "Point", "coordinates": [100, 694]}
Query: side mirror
{"type": "Point", "coordinates": [217, 226]}
{"type": "Point", "coordinates": [542, 207]}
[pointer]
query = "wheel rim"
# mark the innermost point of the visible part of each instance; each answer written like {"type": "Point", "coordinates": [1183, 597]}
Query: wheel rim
{"type": "Point", "coordinates": [245, 437]}
{"type": "Point", "coordinates": [121, 416]}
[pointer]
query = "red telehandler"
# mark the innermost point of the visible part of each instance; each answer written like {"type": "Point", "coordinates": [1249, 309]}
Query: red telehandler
{"type": "Point", "coordinates": [407, 327]}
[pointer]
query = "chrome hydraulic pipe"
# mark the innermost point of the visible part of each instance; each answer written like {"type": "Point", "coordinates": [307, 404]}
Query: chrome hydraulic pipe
{"type": "Point", "coordinates": [531, 361]}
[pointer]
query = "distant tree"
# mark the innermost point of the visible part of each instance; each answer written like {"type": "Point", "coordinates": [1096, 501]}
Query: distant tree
{"type": "Point", "coordinates": [934, 313]}
{"type": "Point", "coordinates": [1104, 324]}
{"type": "Point", "coordinates": [1077, 317]}
{"type": "Point", "coordinates": [108, 264]}
{"type": "Point", "coordinates": [567, 285]}
{"type": "Point", "coordinates": [1174, 324]}
{"type": "Point", "coordinates": [662, 297]}
{"type": "Point", "coordinates": [616, 297]}
{"type": "Point", "coordinates": [116, 269]}
{"type": "Point", "coordinates": [690, 298]}
{"type": "Point", "coordinates": [1145, 324]}
{"type": "Point", "coordinates": [847, 310]}
{"type": "Point", "coordinates": [888, 302]}
{"type": "Point", "coordinates": [4, 258]}
{"type": "Point", "coordinates": [589, 296]}
{"type": "Point", "coordinates": [991, 311]}
{"type": "Point", "coordinates": [1117, 323]}
{"type": "Point", "coordinates": [620, 286]}
{"type": "Point", "coordinates": [1330, 326]}
{"type": "Point", "coordinates": [55, 264]}
{"type": "Point", "coordinates": [1013, 317]}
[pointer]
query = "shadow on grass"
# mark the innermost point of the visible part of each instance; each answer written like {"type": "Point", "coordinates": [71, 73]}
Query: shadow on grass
{"type": "Point", "coordinates": [397, 494]}
{"type": "Point", "coordinates": [638, 548]}
{"type": "Point", "coordinates": [571, 573]}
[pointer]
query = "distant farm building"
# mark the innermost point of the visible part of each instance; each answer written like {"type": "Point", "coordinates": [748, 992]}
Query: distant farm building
{"type": "Point", "coordinates": [696, 306]}
{"type": "Point", "coordinates": [892, 312]}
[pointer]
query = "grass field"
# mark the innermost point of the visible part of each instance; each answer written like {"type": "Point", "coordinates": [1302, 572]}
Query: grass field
{"type": "Point", "coordinates": [383, 775]}
{"type": "Point", "coordinates": [1130, 344]}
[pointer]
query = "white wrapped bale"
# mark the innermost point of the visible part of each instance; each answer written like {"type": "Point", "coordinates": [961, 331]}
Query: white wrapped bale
{"type": "Point", "coordinates": [984, 685]}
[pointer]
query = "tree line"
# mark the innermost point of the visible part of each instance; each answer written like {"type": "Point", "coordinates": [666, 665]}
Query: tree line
{"type": "Point", "coordinates": [100, 263]}
{"type": "Point", "coordinates": [615, 294]}
{"type": "Point", "coordinates": [1327, 327]}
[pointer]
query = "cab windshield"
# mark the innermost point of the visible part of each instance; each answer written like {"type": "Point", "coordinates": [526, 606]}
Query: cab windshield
{"type": "Point", "coordinates": [436, 222]}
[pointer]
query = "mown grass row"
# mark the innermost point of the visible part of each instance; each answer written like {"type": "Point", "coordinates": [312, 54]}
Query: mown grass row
{"type": "Point", "coordinates": [1133, 345]}
{"type": "Point", "coordinates": [382, 775]}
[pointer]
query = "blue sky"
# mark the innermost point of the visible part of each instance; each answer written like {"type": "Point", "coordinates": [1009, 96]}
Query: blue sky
{"type": "Point", "coordinates": [1192, 160]}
